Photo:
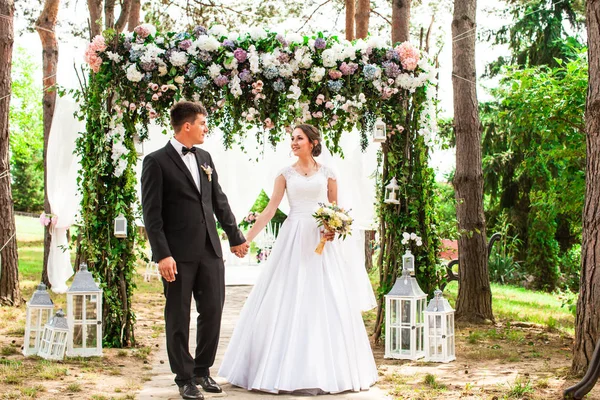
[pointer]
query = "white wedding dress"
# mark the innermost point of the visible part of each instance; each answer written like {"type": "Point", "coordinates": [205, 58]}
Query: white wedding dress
{"type": "Point", "coordinates": [301, 329]}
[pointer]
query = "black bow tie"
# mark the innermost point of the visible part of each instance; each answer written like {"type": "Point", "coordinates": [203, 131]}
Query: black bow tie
{"type": "Point", "coordinates": [185, 150]}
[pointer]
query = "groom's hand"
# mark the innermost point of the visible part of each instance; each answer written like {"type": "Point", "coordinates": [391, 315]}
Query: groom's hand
{"type": "Point", "coordinates": [241, 250]}
{"type": "Point", "coordinates": [168, 268]}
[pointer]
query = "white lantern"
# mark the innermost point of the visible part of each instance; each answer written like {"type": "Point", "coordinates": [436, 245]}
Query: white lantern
{"type": "Point", "coordinates": [391, 192]}
{"type": "Point", "coordinates": [404, 327]}
{"type": "Point", "coordinates": [379, 131]}
{"type": "Point", "coordinates": [120, 226]}
{"type": "Point", "coordinates": [408, 262]}
{"type": "Point", "coordinates": [54, 338]}
{"type": "Point", "coordinates": [139, 145]}
{"type": "Point", "coordinates": [39, 312]}
{"type": "Point", "coordinates": [439, 330]}
{"type": "Point", "coordinates": [84, 314]}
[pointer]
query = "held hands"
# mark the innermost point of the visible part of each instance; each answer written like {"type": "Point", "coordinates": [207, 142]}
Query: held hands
{"type": "Point", "coordinates": [240, 250]}
{"type": "Point", "coordinates": [167, 268]}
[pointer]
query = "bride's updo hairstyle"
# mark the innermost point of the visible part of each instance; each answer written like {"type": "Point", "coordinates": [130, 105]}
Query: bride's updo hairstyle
{"type": "Point", "coordinates": [312, 134]}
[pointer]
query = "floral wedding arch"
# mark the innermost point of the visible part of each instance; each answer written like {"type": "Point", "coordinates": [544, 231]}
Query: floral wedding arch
{"type": "Point", "coordinates": [256, 79]}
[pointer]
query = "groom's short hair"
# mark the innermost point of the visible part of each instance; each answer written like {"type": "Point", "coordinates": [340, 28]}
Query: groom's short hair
{"type": "Point", "coordinates": [185, 111]}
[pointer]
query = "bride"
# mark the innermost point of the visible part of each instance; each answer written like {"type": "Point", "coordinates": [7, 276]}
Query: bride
{"type": "Point", "coordinates": [301, 329]}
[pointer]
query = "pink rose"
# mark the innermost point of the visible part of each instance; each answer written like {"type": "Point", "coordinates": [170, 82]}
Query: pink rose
{"type": "Point", "coordinates": [318, 114]}
{"type": "Point", "coordinates": [132, 106]}
{"type": "Point", "coordinates": [152, 114]}
{"type": "Point", "coordinates": [335, 74]}
{"type": "Point", "coordinates": [329, 105]}
{"type": "Point", "coordinates": [164, 88]}
{"type": "Point", "coordinates": [154, 86]}
{"type": "Point", "coordinates": [155, 97]}
{"type": "Point", "coordinates": [269, 124]}
{"type": "Point", "coordinates": [320, 99]}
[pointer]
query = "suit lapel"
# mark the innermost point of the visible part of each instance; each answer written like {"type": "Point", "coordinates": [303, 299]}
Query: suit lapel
{"type": "Point", "coordinates": [181, 165]}
{"type": "Point", "coordinates": [203, 177]}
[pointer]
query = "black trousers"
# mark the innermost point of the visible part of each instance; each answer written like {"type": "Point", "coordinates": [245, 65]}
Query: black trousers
{"type": "Point", "coordinates": [205, 280]}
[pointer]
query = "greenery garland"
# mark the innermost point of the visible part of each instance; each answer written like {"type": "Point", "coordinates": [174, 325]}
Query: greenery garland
{"type": "Point", "coordinates": [256, 79]}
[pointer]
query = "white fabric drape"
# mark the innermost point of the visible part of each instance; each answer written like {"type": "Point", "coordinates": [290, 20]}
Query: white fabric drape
{"type": "Point", "coordinates": [62, 166]}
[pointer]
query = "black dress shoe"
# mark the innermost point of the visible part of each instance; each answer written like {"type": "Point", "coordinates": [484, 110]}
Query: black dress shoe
{"type": "Point", "coordinates": [190, 391]}
{"type": "Point", "coordinates": [208, 384]}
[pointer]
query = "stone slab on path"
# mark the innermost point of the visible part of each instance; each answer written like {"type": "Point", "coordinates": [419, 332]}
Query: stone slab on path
{"type": "Point", "coordinates": [162, 386]}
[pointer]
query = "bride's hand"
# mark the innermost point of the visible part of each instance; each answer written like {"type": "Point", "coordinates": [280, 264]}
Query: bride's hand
{"type": "Point", "coordinates": [329, 235]}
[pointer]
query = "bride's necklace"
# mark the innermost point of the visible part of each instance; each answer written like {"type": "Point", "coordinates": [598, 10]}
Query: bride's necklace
{"type": "Point", "coordinates": [303, 171]}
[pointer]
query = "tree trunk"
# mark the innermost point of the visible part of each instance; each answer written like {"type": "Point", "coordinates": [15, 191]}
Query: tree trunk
{"type": "Point", "coordinates": [400, 21]}
{"type": "Point", "coordinates": [369, 250]}
{"type": "Point", "coordinates": [587, 322]}
{"type": "Point", "coordinates": [350, 9]}
{"type": "Point", "coordinates": [474, 302]}
{"type": "Point", "coordinates": [95, 8]}
{"type": "Point", "coordinates": [124, 16]}
{"type": "Point", "coordinates": [10, 293]}
{"type": "Point", "coordinates": [109, 13]}
{"type": "Point", "coordinates": [363, 13]}
{"type": "Point", "coordinates": [45, 26]}
{"type": "Point", "coordinates": [134, 15]}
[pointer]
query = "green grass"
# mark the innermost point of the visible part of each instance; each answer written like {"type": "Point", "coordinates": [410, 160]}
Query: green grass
{"type": "Point", "coordinates": [511, 303]}
{"type": "Point", "coordinates": [29, 229]}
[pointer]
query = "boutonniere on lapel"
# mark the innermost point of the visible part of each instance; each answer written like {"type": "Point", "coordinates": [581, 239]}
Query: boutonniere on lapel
{"type": "Point", "coordinates": [207, 170]}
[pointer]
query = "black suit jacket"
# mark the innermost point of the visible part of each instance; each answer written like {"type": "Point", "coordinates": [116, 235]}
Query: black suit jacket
{"type": "Point", "coordinates": [176, 215]}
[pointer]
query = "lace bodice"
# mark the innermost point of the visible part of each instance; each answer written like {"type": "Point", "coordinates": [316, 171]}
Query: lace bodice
{"type": "Point", "coordinates": [304, 193]}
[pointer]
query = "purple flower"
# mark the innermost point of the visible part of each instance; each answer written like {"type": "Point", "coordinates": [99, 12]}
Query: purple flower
{"type": "Point", "coordinates": [348, 68]}
{"type": "Point", "coordinates": [245, 76]}
{"type": "Point", "coordinates": [284, 58]}
{"type": "Point", "coordinates": [185, 44]}
{"type": "Point", "coordinates": [204, 56]}
{"type": "Point", "coordinates": [148, 66]}
{"type": "Point", "coordinates": [392, 69]}
{"type": "Point", "coordinates": [320, 43]}
{"type": "Point", "coordinates": [392, 55]}
{"type": "Point", "coordinates": [221, 80]}
{"type": "Point", "coordinates": [228, 43]}
{"type": "Point", "coordinates": [200, 31]}
{"type": "Point", "coordinates": [240, 55]}
{"type": "Point", "coordinates": [281, 39]}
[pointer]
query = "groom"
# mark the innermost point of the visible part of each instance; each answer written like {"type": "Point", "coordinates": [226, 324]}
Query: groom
{"type": "Point", "coordinates": [180, 197]}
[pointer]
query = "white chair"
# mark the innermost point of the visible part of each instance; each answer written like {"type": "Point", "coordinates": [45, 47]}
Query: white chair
{"type": "Point", "coordinates": [151, 268]}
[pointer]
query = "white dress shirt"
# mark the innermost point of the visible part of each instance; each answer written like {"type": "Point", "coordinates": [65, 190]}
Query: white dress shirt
{"type": "Point", "coordinates": [189, 160]}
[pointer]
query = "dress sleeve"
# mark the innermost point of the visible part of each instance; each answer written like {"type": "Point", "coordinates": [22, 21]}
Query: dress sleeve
{"type": "Point", "coordinates": [286, 172]}
{"type": "Point", "coordinates": [328, 172]}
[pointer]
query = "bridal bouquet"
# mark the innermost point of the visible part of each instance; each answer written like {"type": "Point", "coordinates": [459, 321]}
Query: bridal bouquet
{"type": "Point", "coordinates": [334, 219]}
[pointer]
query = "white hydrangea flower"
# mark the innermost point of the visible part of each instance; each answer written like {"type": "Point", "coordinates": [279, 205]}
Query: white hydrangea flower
{"type": "Point", "coordinates": [329, 58]}
{"type": "Point", "coordinates": [377, 42]}
{"type": "Point", "coordinates": [151, 52]}
{"type": "Point", "coordinates": [218, 30]}
{"type": "Point", "coordinates": [286, 71]}
{"type": "Point", "coordinates": [253, 59]}
{"type": "Point", "coordinates": [214, 70]}
{"type": "Point", "coordinates": [317, 74]}
{"type": "Point", "coordinates": [178, 58]}
{"type": "Point", "coordinates": [114, 57]}
{"type": "Point", "coordinates": [258, 33]}
{"type": "Point", "coordinates": [206, 43]}
{"type": "Point", "coordinates": [294, 37]}
{"type": "Point", "coordinates": [306, 62]}
{"type": "Point", "coordinates": [133, 74]}
{"type": "Point", "coordinates": [234, 87]}
{"type": "Point", "coordinates": [233, 36]}
{"type": "Point", "coordinates": [413, 236]}
{"type": "Point", "coordinates": [295, 91]}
